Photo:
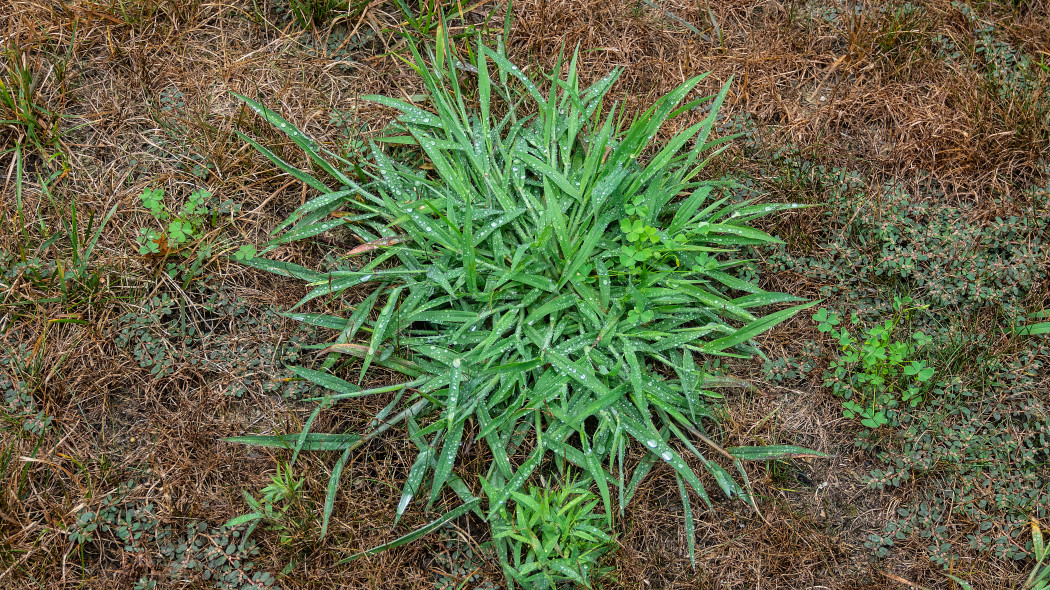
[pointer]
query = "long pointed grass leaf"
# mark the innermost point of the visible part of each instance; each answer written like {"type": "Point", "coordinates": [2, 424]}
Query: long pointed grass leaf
{"type": "Point", "coordinates": [300, 139]}
{"type": "Point", "coordinates": [413, 481]}
{"type": "Point", "coordinates": [288, 168]}
{"type": "Point", "coordinates": [754, 329]}
{"type": "Point", "coordinates": [313, 441]}
{"type": "Point", "coordinates": [380, 328]}
{"type": "Point", "coordinates": [773, 452]}
{"type": "Point", "coordinates": [420, 532]}
{"type": "Point", "coordinates": [690, 526]}
{"type": "Point", "coordinates": [286, 269]}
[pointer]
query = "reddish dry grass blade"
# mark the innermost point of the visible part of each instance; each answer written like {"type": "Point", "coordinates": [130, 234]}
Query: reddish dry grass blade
{"type": "Point", "coordinates": [375, 245]}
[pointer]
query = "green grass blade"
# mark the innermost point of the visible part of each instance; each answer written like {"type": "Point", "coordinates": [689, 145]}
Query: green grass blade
{"type": "Point", "coordinates": [655, 444]}
{"type": "Point", "coordinates": [753, 329]}
{"type": "Point", "coordinates": [300, 139]}
{"type": "Point", "coordinates": [690, 526]}
{"type": "Point", "coordinates": [454, 432]}
{"type": "Point", "coordinates": [329, 382]}
{"type": "Point", "coordinates": [773, 452]}
{"type": "Point", "coordinates": [313, 441]}
{"type": "Point", "coordinates": [285, 269]}
{"type": "Point", "coordinates": [333, 489]}
{"type": "Point", "coordinates": [288, 168]}
{"type": "Point", "coordinates": [421, 531]}
{"type": "Point", "coordinates": [414, 480]}
{"type": "Point", "coordinates": [379, 334]}
{"type": "Point", "coordinates": [325, 203]}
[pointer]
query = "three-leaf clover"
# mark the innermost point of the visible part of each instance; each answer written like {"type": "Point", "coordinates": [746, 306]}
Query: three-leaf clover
{"type": "Point", "coordinates": [642, 316]}
{"type": "Point", "coordinates": [919, 369]}
{"type": "Point", "coordinates": [148, 240]}
{"type": "Point", "coordinates": [630, 255]}
{"type": "Point", "coordinates": [196, 204]}
{"type": "Point", "coordinates": [827, 320]}
{"type": "Point", "coordinates": [921, 339]}
{"type": "Point", "coordinates": [637, 231]}
{"type": "Point", "coordinates": [245, 252]}
{"type": "Point", "coordinates": [179, 232]}
{"type": "Point", "coordinates": [153, 199]}
{"type": "Point", "coordinates": [636, 208]}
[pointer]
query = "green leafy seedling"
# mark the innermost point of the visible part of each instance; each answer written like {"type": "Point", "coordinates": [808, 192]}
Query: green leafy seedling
{"type": "Point", "coordinates": [153, 200]}
{"type": "Point", "coordinates": [245, 252]}
{"type": "Point", "coordinates": [877, 374]}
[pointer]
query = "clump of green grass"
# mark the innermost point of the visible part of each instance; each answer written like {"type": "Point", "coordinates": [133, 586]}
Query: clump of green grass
{"type": "Point", "coordinates": [23, 113]}
{"type": "Point", "coordinates": [545, 290]}
{"type": "Point", "coordinates": [56, 261]}
{"type": "Point", "coordinates": [555, 537]}
{"type": "Point", "coordinates": [309, 12]}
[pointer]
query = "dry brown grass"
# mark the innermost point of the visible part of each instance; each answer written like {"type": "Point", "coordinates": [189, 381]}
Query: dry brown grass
{"type": "Point", "coordinates": [844, 90]}
{"type": "Point", "coordinates": [864, 91]}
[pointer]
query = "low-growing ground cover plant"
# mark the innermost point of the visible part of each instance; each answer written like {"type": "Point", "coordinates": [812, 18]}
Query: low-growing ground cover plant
{"type": "Point", "coordinates": [971, 455]}
{"type": "Point", "coordinates": [1039, 578]}
{"type": "Point", "coordinates": [184, 242]}
{"type": "Point", "coordinates": [877, 372]}
{"type": "Point", "coordinates": [180, 227]}
{"type": "Point", "coordinates": [545, 290]}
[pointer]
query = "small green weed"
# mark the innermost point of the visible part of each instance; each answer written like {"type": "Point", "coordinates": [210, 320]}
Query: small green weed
{"type": "Point", "coordinates": [877, 373]}
{"type": "Point", "coordinates": [182, 225]}
{"type": "Point", "coordinates": [180, 240]}
{"type": "Point", "coordinates": [216, 557]}
{"type": "Point", "coordinates": [553, 538]}
{"type": "Point", "coordinates": [283, 493]}
{"type": "Point", "coordinates": [640, 237]}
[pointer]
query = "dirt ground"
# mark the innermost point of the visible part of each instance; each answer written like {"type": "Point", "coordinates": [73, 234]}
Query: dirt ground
{"type": "Point", "coordinates": [139, 374]}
